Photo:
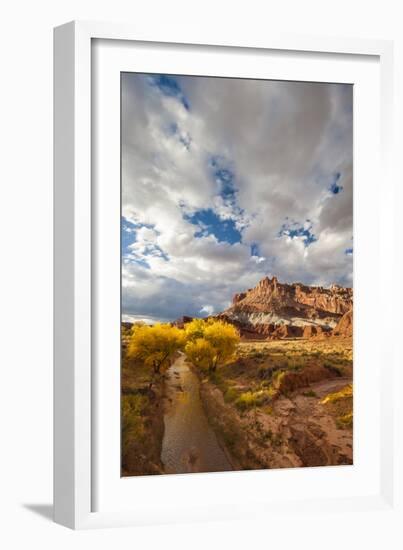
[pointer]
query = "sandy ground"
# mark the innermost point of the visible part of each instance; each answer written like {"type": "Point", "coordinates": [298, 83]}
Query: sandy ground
{"type": "Point", "coordinates": [295, 429]}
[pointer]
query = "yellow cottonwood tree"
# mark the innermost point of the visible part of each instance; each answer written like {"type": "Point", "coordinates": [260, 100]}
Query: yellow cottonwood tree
{"type": "Point", "coordinates": [210, 343]}
{"type": "Point", "coordinates": [224, 338]}
{"type": "Point", "coordinates": [156, 345]}
{"type": "Point", "coordinates": [195, 329]}
{"type": "Point", "coordinates": [200, 353]}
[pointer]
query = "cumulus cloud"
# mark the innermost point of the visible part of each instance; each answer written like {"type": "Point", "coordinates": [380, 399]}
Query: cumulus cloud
{"type": "Point", "coordinates": [227, 180]}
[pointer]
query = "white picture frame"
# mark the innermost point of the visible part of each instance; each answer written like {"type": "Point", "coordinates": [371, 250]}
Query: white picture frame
{"type": "Point", "coordinates": [77, 421]}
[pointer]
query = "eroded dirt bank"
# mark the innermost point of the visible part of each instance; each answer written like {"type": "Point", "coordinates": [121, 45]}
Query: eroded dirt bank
{"type": "Point", "coordinates": [297, 431]}
{"type": "Point", "coordinates": [299, 416]}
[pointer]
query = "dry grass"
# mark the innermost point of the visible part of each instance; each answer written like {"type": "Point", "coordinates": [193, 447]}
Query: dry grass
{"type": "Point", "coordinates": [341, 405]}
{"type": "Point", "coordinates": [263, 370]}
{"type": "Point", "coordinates": [332, 348]}
{"type": "Point", "coordinates": [344, 393]}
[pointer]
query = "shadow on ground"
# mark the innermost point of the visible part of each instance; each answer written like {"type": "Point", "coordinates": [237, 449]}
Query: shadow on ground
{"type": "Point", "coordinates": [44, 510]}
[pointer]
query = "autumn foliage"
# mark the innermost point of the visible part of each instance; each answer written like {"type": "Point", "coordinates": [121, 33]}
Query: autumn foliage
{"type": "Point", "coordinates": [210, 343]}
{"type": "Point", "coordinates": [207, 344]}
{"type": "Point", "coordinates": [155, 345]}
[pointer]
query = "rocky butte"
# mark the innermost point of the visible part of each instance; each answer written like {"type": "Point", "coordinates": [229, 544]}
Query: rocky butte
{"type": "Point", "coordinates": [277, 310]}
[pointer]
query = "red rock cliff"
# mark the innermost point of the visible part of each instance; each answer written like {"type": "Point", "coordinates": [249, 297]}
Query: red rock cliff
{"type": "Point", "coordinates": [271, 304]}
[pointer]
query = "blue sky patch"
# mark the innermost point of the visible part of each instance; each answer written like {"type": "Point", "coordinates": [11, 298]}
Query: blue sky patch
{"type": "Point", "coordinates": [335, 188]}
{"type": "Point", "coordinates": [169, 86]}
{"type": "Point", "coordinates": [183, 137]}
{"type": "Point", "coordinates": [155, 250]}
{"type": "Point", "coordinates": [129, 236]}
{"type": "Point", "coordinates": [223, 176]}
{"type": "Point", "coordinates": [128, 232]}
{"type": "Point", "coordinates": [294, 229]}
{"type": "Point", "coordinates": [138, 261]}
{"type": "Point", "coordinates": [173, 128]}
{"type": "Point", "coordinates": [209, 223]}
{"type": "Point", "coordinates": [254, 249]}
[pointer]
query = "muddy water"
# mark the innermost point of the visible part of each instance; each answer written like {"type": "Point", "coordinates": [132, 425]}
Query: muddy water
{"type": "Point", "coordinates": [189, 443]}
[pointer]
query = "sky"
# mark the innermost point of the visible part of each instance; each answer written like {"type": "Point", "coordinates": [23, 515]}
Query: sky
{"type": "Point", "coordinates": [225, 181]}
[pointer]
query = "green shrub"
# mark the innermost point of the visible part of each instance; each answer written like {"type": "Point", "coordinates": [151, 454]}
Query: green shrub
{"type": "Point", "coordinates": [310, 393]}
{"type": "Point", "coordinates": [344, 393]}
{"type": "Point", "coordinates": [250, 399]}
{"type": "Point", "coordinates": [231, 395]}
{"type": "Point", "coordinates": [296, 367]}
{"type": "Point", "coordinates": [277, 377]}
{"type": "Point", "coordinates": [218, 379]}
{"type": "Point", "coordinates": [345, 421]}
{"type": "Point", "coordinates": [133, 404]}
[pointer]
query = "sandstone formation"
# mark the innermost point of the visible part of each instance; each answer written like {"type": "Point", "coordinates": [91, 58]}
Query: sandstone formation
{"type": "Point", "coordinates": [345, 326]}
{"type": "Point", "coordinates": [274, 310]}
{"type": "Point", "coordinates": [311, 331]}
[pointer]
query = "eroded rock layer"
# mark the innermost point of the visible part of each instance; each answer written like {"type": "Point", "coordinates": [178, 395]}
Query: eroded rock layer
{"type": "Point", "coordinates": [277, 310]}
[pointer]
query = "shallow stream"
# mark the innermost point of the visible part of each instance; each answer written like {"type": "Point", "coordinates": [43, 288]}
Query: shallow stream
{"type": "Point", "coordinates": [189, 443]}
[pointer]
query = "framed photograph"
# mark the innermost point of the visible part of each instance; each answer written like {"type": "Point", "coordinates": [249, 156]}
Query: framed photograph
{"type": "Point", "coordinates": [221, 252]}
